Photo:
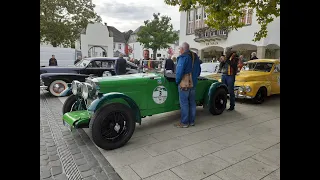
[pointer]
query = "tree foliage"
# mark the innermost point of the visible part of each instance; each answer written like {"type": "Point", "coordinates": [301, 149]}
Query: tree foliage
{"type": "Point", "coordinates": [157, 33]}
{"type": "Point", "coordinates": [225, 14]}
{"type": "Point", "coordinates": [62, 20]}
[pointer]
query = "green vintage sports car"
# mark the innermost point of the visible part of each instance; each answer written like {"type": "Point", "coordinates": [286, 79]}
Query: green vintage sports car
{"type": "Point", "coordinates": [111, 106]}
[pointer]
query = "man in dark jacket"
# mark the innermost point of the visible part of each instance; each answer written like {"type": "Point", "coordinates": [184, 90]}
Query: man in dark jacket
{"type": "Point", "coordinates": [169, 64]}
{"type": "Point", "coordinates": [120, 65]}
{"type": "Point", "coordinates": [229, 68]}
{"type": "Point", "coordinates": [53, 61]}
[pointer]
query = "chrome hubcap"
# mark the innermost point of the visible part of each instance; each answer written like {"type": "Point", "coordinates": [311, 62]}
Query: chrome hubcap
{"type": "Point", "coordinates": [58, 88]}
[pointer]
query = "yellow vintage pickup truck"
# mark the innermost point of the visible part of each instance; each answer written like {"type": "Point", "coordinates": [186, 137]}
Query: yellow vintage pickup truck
{"type": "Point", "coordinates": [258, 79]}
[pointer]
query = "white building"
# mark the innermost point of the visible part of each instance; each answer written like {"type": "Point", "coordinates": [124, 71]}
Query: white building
{"type": "Point", "coordinates": [98, 40]}
{"type": "Point", "coordinates": [137, 49]}
{"type": "Point", "coordinates": [210, 44]}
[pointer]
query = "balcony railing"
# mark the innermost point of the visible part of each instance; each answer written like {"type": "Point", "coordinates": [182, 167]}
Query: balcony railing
{"type": "Point", "coordinates": [208, 34]}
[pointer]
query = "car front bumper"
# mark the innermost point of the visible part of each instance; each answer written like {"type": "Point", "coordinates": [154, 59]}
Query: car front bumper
{"type": "Point", "coordinates": [242, 96]}
{"type": "Point", "coordinates": [76, 119]}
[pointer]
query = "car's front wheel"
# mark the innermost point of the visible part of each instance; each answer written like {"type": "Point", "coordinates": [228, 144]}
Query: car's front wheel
{"type": "Point", "coordinates": [218, 101]}
{"type": "Point", "coordinates": [260, 96]}
{"type": "Point", "coordinates": [73, 104]}
{"type": "Point", "coordinates": [112, 126]}
{"type": "Point", "coordinates": [56, 87]}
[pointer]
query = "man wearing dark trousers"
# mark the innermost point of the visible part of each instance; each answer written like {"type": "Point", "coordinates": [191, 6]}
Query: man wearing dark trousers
{"type": "Point", "coordinates": [229, 68]}
{"type": "Point", "coordinates": [120, 65]}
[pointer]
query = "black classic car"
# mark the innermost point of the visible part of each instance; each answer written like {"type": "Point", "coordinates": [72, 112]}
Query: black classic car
{"type": "Point", "coordinates": [55, 78]}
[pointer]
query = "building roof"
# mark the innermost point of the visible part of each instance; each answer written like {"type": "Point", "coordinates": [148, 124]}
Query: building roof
{"type": "Point", "coordinates": [113, 32]}
{"type": "Point", "coordinates": [117, 35]}
{"type": "Point", "coordinates": [137, 30]}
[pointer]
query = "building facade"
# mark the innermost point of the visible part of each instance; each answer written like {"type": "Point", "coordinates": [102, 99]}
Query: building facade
{"type": "Point", "coordinates": [210, 43]}
{"type": "Point", "coordinates": [100, 40]}
{"type": "Point", "coordinates": [137, 49]}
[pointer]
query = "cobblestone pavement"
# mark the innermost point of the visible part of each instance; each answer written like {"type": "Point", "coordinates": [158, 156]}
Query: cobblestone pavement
{"type": "Point", "coordinates": [66, 155]}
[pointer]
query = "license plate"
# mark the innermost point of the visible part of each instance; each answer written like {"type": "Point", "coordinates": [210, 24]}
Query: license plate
{"type": "Point", "coordinates": [67, 125]}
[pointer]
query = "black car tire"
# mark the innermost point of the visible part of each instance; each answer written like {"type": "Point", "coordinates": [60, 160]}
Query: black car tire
{"type": "Point", "coordinates": [260, 96]}
{"type": "Point", "coordinates": [218, 102]}
{"type": "Point", "coordinates": [51, 87]}
{"type": "Point", "coordinates": [100, 118]}
{"type": "Point", "coordinates": [68, 104]}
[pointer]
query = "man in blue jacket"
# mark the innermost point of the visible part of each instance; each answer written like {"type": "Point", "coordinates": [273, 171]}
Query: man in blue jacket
{"type": "Point", "coordinates": [187, 97]}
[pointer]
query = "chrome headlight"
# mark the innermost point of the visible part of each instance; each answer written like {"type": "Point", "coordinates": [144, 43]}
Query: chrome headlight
{"type": "Point", "coordinates": [248, 88]}
{"type": "Point", "coordinates": [241, 89]}
{"type": "Point", "coordinates": [87, 90]}
{"type": "Point", "coordinates": [76, 87]}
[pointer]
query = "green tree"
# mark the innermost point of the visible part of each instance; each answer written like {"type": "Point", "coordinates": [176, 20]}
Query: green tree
{"type": "Point", "coordinates": [157, 33]}
{"type": "Point", "coordinates": [225, 14]}
{"type": "Point", "coordinates": [62, 20]}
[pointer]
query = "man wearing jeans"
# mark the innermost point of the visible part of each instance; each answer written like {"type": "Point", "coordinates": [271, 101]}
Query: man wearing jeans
{"type": "Point", "coordinates": [229, 68]}
{"type": "Point", "coordinates": [187, 96]}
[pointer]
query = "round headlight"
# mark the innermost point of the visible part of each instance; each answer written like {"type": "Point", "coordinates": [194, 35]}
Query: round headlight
{"type": "Point", "coordinates": [248, 88]}
{"type": "Point", "coordinates": [75, 87]}
{"type": "Point", "coordinates": [86, 90]}
{"type": "Point", "coordinates": [241, 89]}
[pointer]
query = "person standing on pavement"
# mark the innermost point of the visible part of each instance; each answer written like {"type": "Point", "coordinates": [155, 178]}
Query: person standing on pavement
{"type": "Point", "coordinates": [169, 66]}
{"type": "Point", "coordinates": [253, 56]}
{"type": "Point", "coordinates": [78, 59]}
{"type": "Point", "coordinates": [188, 70]}
{"type": "Point", "coordinates": [53, 61]}
{"type": "Point", "coordinates": [120, 66]}
{"type": "Point", "coordinates": [229, 68]}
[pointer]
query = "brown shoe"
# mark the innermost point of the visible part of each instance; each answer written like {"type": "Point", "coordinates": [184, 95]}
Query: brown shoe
{"type": "Point", "coordinates": [180, 125]}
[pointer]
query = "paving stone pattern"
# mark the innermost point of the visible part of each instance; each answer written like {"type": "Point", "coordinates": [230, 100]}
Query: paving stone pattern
{"type": "Point", "coordinates": [66, 155]}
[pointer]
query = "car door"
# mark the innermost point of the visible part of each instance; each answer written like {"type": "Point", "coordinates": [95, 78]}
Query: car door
{"type": "Point", "coordinates": [158, 92]}
{"type": "Point", "coordinates": [95, 68]}
{"type": "Point", "coordinates": [275, 84]}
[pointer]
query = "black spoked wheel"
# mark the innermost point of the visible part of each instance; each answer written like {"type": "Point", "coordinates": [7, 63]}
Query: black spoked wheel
{"type": "Point", "coordinates": [73, 104]}
{"type": "Point", "coordinates": [260, 96]}
{"type": "Point", "coordinates": [112, 126]}
{"type": "Point", "coordinates": [218, 101]}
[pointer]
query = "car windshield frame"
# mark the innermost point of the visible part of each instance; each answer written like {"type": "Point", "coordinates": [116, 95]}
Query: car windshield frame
{"type": "Point", "coordinates": [83, 63]}
{"type": "Point", "coordinates": [207, 67]}
{"type": "Point", "coordinates": [255, 66]}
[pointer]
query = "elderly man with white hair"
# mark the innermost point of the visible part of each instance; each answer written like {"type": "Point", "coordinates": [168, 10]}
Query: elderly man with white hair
{"type": "Point", "coordinates": [187, 73]}
{"type": "Point", "coordinates": [253, 56]}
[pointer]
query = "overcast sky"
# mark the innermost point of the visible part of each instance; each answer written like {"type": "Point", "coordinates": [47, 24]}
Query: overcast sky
{"type": "Point", "coordinates": [130, 14]}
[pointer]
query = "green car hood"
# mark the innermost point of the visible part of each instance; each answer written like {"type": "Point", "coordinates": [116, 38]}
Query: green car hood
{"type": "Point", "coordinates": [130, 79]}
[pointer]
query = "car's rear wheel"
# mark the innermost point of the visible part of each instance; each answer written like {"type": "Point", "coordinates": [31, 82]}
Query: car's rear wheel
{"type": "Point", "coordinates": [56, 87]}
{"type": "Point", "coordinates": [260, 96]}
{"type": "Point", "coordinates": [112, 126]}
{"type": "Point", "coordinates": [218, 101]}
{"type": "Point", "coordinates": [73, 104]}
